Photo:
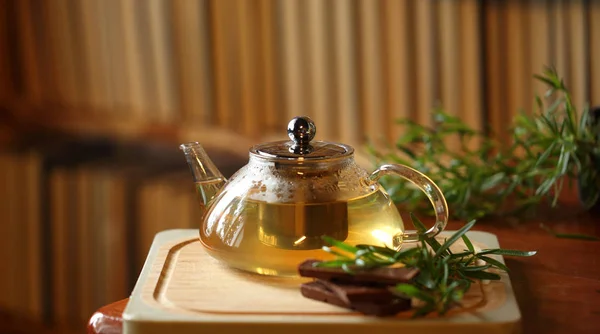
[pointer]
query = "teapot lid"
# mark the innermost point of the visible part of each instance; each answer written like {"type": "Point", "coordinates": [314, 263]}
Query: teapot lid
{"type": "Point", "coordinates": [301, 131]}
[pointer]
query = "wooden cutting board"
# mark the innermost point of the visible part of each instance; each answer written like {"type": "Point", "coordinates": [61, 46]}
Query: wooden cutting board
{"type": "Point", "coordinates": [183, 290]}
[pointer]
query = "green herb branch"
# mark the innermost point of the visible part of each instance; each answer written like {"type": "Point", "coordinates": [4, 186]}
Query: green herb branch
{"type": "Point", "coordinates": [444, 277]}
{"type": "Point", "coordinates": [483, 177]}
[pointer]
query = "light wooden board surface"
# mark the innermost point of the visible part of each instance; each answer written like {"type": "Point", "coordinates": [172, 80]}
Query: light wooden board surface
{"type": "Point", "coordinates": [182, 289]}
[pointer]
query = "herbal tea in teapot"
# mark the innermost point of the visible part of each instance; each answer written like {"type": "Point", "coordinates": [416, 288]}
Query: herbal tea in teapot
{"type": "Point", "coordinates": [281, 235]}
{"type": "Point", "coordinates": [271, 215]}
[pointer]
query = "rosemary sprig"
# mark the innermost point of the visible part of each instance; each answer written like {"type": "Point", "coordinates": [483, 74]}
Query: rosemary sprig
{"type": "Point", "coordinates": [484, 177]}
{"type": "Point", "coordinates": [444, 277]}
{"type": "Point", "coordinates": [579, 236]}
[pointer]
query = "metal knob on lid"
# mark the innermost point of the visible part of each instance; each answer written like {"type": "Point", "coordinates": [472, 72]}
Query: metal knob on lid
{"type": "Point", "coordinates": [301, 148]}
{"type": "Point", "coordinates": [301, 130]}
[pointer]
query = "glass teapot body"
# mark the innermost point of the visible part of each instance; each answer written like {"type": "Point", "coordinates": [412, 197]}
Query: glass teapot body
{"type": "Point", "coordinates": [271, 216]}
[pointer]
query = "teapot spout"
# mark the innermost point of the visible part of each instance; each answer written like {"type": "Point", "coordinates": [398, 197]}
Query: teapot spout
{"type": "Point", "coordinates": [207, 177]}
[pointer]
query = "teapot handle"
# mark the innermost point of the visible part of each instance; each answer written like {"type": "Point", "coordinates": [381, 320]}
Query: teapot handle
{"type": "Point", "coordinates": [430, 189]}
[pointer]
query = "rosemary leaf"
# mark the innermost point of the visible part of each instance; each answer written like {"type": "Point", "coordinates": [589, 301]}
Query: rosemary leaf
{"type": "Point", "coordinates": [476, 268]}
{"type": "Point", "coordinates": [508, 252]}
{"type": "Point", "coordinates": [493, 262]}
{"type": "Point", "coordinates": [576, 236]}
{"type": "Point", "coordinates": [468, 243]}
{"type": "Point", "coordinates": [412, 291]}
{"type": "Point", "coordinates": [457, 235]}
{"type": "Point", "coordinates": [340, 245]}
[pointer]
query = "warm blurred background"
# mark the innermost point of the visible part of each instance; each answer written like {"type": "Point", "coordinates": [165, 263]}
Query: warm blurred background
{"type": "Point", "coordinates": [95, 95]}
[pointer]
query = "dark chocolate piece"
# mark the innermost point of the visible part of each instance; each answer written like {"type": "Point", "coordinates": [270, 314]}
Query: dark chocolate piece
{"type": "Point", "coordinates": [351, 293]}
{"type": "Point", "coordinates": [318, 291]}
{"type": "Point", "coordinates": [390, 308]}
{"type": "Point", "coordinates": [389, 276]}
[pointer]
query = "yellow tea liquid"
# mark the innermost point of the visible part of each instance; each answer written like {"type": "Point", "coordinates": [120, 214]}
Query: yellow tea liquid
{"type": "Point", "coordinates": [273, 238]}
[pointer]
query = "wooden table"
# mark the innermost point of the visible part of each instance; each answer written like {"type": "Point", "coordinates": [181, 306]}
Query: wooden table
{"type": "Point", "coordinates": [558, 290]}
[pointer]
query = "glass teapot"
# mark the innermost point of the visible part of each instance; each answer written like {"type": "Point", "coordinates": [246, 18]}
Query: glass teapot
{"type": "Point", "coordinates": [272, 213]}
